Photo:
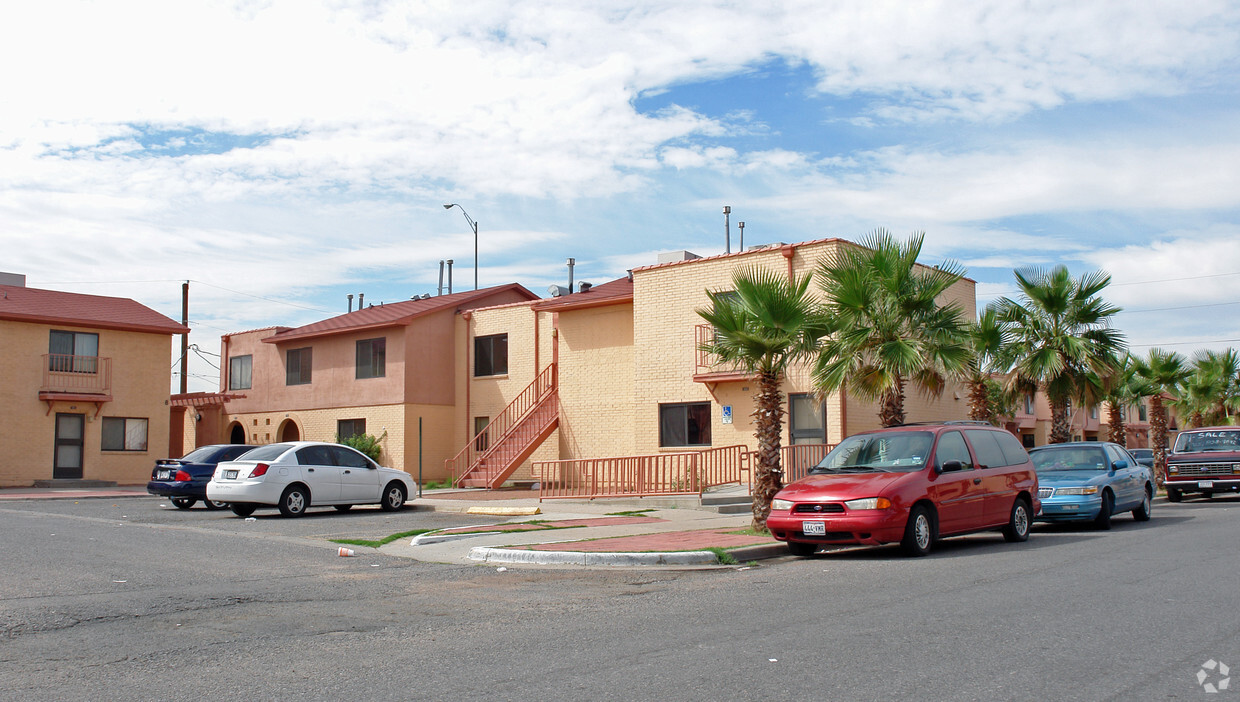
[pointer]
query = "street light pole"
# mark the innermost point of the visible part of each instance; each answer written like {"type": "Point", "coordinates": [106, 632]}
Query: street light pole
{"type": "Point", "coordinates": [474, 226]}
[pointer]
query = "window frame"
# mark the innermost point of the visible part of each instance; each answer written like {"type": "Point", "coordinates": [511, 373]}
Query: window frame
{"type": "Point", "coordinates": [703, 428]}
{"type": "Point", "coordinates": [77, 363]}
{"type": "Point", "coordinates": [374, 351]}
{"type": "Point", "coordinates": [233, 362]}
{"type": "Point", "coordinates": [305, 366]}
{"type": "Point", "coordinates": [125, 447]}
{"type": "Point", "coordinates": [493, 367]}
{"type": "Point", "coordinates": [796, 435]}
{"type": "Point", "coordinates": [340, 424]}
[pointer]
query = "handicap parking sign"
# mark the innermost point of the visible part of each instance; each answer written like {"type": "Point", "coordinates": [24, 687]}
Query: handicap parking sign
{"type": "Point", "coordinates": [727, 414]}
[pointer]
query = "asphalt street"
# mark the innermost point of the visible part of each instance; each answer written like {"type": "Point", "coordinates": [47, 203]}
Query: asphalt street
{"type": "Point", "coordinates": [125, 599]}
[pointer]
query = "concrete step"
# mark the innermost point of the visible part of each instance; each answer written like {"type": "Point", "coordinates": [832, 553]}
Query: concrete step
{"type": "Point", "coordinates": [737, 508]}
{"type": "Point", "coordinates": [65, 483]}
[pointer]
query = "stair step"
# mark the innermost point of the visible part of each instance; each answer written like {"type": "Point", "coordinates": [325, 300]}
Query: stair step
{"type": "Point", "coordinates": [730, 509]}
{"type": "Point", "coordinates": [726, 499]}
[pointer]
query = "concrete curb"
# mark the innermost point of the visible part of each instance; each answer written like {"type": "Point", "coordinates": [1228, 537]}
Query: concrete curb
{"type": "Point", "coordinates": [583, 558]}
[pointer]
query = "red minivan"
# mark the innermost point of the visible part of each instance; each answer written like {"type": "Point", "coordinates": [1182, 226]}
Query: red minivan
{"type": "Point", "coordinates": [910, 484]}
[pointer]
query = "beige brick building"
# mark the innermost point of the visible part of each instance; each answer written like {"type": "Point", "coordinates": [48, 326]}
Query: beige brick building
{"type": "Point", "coordinates": [84, 387]}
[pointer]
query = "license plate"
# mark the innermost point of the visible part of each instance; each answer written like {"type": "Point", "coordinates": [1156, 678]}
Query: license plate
{"type": "Point", "coordinates": [164, 475]}
{"type": "Point", "coordinates": [1205, 483]}
{"type": "Point", "coordinates": [814, 528]}
{"type": "Point", "coordinates": [230, 475]}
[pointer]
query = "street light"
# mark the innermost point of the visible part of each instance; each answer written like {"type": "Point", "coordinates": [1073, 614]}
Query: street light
{"type": "Point", "coordinates": [473, 224]}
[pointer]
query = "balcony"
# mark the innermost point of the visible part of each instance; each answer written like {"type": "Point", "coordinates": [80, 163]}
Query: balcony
{"type": "Point", "coordinates": [76, 379]}
{"type": "Point", "coordinates": [707, 367]}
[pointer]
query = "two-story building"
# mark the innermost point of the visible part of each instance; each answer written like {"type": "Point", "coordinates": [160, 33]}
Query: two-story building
{"type": "Point", "coordinates": [84, 386]}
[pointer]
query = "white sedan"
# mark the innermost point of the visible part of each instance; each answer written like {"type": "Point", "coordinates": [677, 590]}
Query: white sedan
{"type": "Point", "coordinates": [295, 474]}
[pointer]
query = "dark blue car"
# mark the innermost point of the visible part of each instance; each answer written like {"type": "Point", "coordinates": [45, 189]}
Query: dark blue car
{"type": "Point", "coordinates": [184, 480]}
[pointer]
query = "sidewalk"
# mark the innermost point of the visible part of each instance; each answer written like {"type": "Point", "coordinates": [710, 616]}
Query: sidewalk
{"type": "Point", "coordinates": [663, 531]}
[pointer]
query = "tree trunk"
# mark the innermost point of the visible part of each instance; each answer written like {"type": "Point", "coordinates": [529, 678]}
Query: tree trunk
{"type": "Point", "coordinates": [768, 474]}
{"type": "Point", "coordinates": [891, 405]}
{"type": "Point", "coordinates": [1117, 432]}
{"type": "Point", "coordinates": [1158, 437]}
{"type": "Point", "coordinates": [1061, 422]}
{"type": "Point", "coordinates": [979, 401]}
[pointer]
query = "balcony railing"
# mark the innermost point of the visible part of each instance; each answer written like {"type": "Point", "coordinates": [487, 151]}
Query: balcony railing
{"type": "Point", "coordinates": [707, 362]}
{"type": "Point", "coordinates": [87, 375]}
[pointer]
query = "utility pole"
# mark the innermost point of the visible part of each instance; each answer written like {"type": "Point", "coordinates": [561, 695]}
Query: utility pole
{"type": "Point", "coordinates": [185, 338]}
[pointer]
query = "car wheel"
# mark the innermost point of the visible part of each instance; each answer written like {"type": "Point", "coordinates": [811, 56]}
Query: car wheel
{"type": "Point", "coordinates": [214, 504]}
{"type": "Point", "coordinates": [294, 501]}
{"type": "Point", "coordinates": [1174, 496]}
{"type": "Point", "coordinates": [802, 549]}
{"type": "Point", "coordinates": [241, 510]}
{"type": "Point", "coordinates": [1017, 529]}
{"type": "Point", "coordinates": [184, 502]}
{"type": "Point", "coordinates": [343, 508]}
{"type": "Point", "coordinates": [918, 533]}
{"type": "Point", "coordinates": [393, 497]}
{"type": "Point", "coordinates": [1142, 513]}
{"type": "Point", "coordinates": [1103, 520]}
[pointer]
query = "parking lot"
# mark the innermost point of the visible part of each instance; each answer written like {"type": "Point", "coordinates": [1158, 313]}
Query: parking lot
{"type": "Point", "coordinates": [107, 599]}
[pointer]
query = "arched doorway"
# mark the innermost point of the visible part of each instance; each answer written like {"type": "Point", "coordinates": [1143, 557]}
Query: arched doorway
{"type": "Point", "coordinates": [236, 435]}
{"type": "Point", "coordinates": [289, 431]}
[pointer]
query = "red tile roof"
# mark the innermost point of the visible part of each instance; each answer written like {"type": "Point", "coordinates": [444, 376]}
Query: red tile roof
{"type": "Point", "coordinates": [615, 292]}
{"type": "Point", "coordinates": [394, 314]}
{"type": "Point", "coordinates": [21, 304]}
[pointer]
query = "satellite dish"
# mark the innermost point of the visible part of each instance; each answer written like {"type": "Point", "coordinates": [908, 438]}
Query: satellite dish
{"type": "Point", "coordinates": [558, 290]}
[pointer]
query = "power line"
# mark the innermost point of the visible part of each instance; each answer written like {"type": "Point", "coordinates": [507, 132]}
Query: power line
{"type": "Point", "coordinates": [260, 297]}
{"type": "Point", "coordinates": [1184, 343]}
{"type": "Point", "coordinates": [1008, 291]}
{"type": "Point", "coordinates": [1182, 307]}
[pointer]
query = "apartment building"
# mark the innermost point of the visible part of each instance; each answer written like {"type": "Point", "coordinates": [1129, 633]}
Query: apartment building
{"type": "Point", "coordinates": [84, 384]}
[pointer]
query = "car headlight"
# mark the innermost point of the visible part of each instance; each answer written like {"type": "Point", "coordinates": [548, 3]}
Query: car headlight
{"type": "Point", "coordinates": [1092, 490]}
{"type": "Point", "coordinates": [1235, 468]}
{"type": "Point", "coordinates": [869, 503]}
{"type": "Point", "coordinates": [1173, 469]}
{"type": "Point", "coordinates": [781, 505]}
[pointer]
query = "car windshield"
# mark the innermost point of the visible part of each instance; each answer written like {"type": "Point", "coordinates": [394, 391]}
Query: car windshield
{"type": "Point", "coordinates": [1052, 459]}
{"type": "Point", "coordinates": [269, 452]}
{"type": "Point", "coordinates": [885, 452]}
{"type": "Point", "coordinates": [1197, 441]}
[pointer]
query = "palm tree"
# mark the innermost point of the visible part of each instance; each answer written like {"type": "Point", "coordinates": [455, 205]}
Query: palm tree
{"type": "Point", "coordinates": [768, 323]}
{"type": "Point", "coordinates": [1220, 372]}
{"type": "Point", "coordinates": [986, 338]}
{"type": "Point", "coordinates": [885, 325]}
{"type": "Point", "coordinates": [1165, 371]}
{"type": "Point", "coordinates": [1124, 389]}
{"type": "Point", "coordinates": [1061, 331]}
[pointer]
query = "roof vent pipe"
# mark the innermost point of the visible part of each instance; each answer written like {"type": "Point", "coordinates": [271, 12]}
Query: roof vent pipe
{"type": "Point", "coordinates": [440, 277]}
{"type": "Point", "coordinates": [360, 298]}
{"type": "Point", "coordinates": [727, 228]}
{"type": "Point", "coordinates": [741, 226]}
{"type": "Point", "coordinates": [571, 262]}
{"type": "Point", "coordinates": [449, 276]}
{"type": "Point", "coordinates": [350, 302]}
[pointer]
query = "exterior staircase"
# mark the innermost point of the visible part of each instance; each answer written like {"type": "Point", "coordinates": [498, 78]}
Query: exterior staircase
{"type": "Point", "coordinates": [499, 449]}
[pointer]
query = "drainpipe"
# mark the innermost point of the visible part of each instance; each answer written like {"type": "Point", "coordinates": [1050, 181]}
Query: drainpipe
{"type": "Point", "coordinates": [469, 361]}
{"type": "Point", "coordinates": [789, 250]}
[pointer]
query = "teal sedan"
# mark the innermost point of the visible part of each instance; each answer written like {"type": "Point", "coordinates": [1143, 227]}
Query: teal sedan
{"type": "Point", "coordinates": [1091, 481]}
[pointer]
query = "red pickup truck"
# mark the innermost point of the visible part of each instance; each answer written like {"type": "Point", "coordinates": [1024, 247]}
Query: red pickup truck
{"type": "Point", "coordinates": [1205, 461]}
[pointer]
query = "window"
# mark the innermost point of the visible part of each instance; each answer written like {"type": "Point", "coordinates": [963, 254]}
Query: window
{"type": "Point", "coordinates": [481, 443]}
{"type": "Point", "coordinates": [684, 424]}
{"type": "Point", "coordinates": [952, 448]}
{"type": "Point", "coordinates": [1027, 441]}
{"type": "Point", "coordinates": [297, 367]}
{"type": "Point", "coordinates": [986, 447]}
{"type": "Point", "coordinates": [1093, 411]}
{"type": "Point", "coordinates": [239, 368]}
{"type": "Point", "coordinates": [73, 352]}
{"type": "Point", "coordinates": [491, 355]}
{"type": "Point", "coordinates": [1029, 408]}
{"type": "Point", "coordinates": [1142, 415]}
{"type": "Point", "coordinates": [349, 428]}
{"type": "Point", "coordinates": [124, 434]}
{"type": "Point", "coordinates": [371, 356]}
{"type": "Point", "coordinates": [805, 424]}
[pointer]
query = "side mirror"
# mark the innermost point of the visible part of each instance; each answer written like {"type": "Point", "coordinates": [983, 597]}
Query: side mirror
{"type": "Point", "coordinates": [1120, 464]}
{"type": "Point", "coordinates": [948, 467]}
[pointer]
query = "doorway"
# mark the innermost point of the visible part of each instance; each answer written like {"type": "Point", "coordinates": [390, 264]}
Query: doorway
{"type": "Point", "coordinates": [237, 434]}
{"type": "Point", "coordinates": [70, 431]}
{"type": "Point", "coordinates": [289, 431]}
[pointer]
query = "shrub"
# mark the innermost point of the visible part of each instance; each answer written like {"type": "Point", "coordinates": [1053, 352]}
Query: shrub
{"type": "Point", "coordinates": [366, 443]}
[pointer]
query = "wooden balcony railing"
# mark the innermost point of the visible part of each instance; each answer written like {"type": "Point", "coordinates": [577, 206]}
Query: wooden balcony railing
{"type": "Point", "coordinates": [87, 375]}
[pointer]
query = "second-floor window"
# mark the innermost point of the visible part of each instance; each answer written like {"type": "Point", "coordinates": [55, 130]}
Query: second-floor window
{"type": "Point", "coordinates": [1029, 404]}
{"type": "Point", "coordinates": [297, 367]}
{"type": "Point", "coordinates": [73, 352]}
{"type": "Point", "coordinates": [491, 355]}
{"type": "Point", "coordinates": [239, 370]}
{"type": "Point", "coordinates": [371, 358]}
{"type": "Point", "coordinates": [1142, 415]}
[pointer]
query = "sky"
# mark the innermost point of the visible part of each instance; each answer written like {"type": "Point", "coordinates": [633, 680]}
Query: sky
{"type": "Point", "coordinates": [280, 154]}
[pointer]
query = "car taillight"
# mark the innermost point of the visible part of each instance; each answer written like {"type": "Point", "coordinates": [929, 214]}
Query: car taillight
{"type": "Point", "coordinates": [182, 476]}
{"type": "Point", "coordinates": [259, 470]}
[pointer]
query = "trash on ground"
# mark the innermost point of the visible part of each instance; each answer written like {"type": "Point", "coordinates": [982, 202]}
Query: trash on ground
{"type": "Point", "coordinates": [345, 552]}
{"type": "Point", "coordinates": [501, 569]}
{"type": "Point", "coordinates": [251, 519]}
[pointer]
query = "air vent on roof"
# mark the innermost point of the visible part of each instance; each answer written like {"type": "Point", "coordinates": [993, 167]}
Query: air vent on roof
{"type": "Point", "coordinates": [674, 256]}
{"type": "Point", "coordinates": [14, 279]}
{"type": "Point", "coordinates": [583, 286]}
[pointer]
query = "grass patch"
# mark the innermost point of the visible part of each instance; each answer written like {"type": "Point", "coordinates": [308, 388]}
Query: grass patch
{"type": "Point", "coordinates": [385, 540]}
{"type": "Point", "coordinates": [722, 556]}
{"type": "Point", "coordinates": [629, 513]}
{"type": "Point", "coordinates": [436, 484]}
{"type": "Point", "coordinates": [750, 531]}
